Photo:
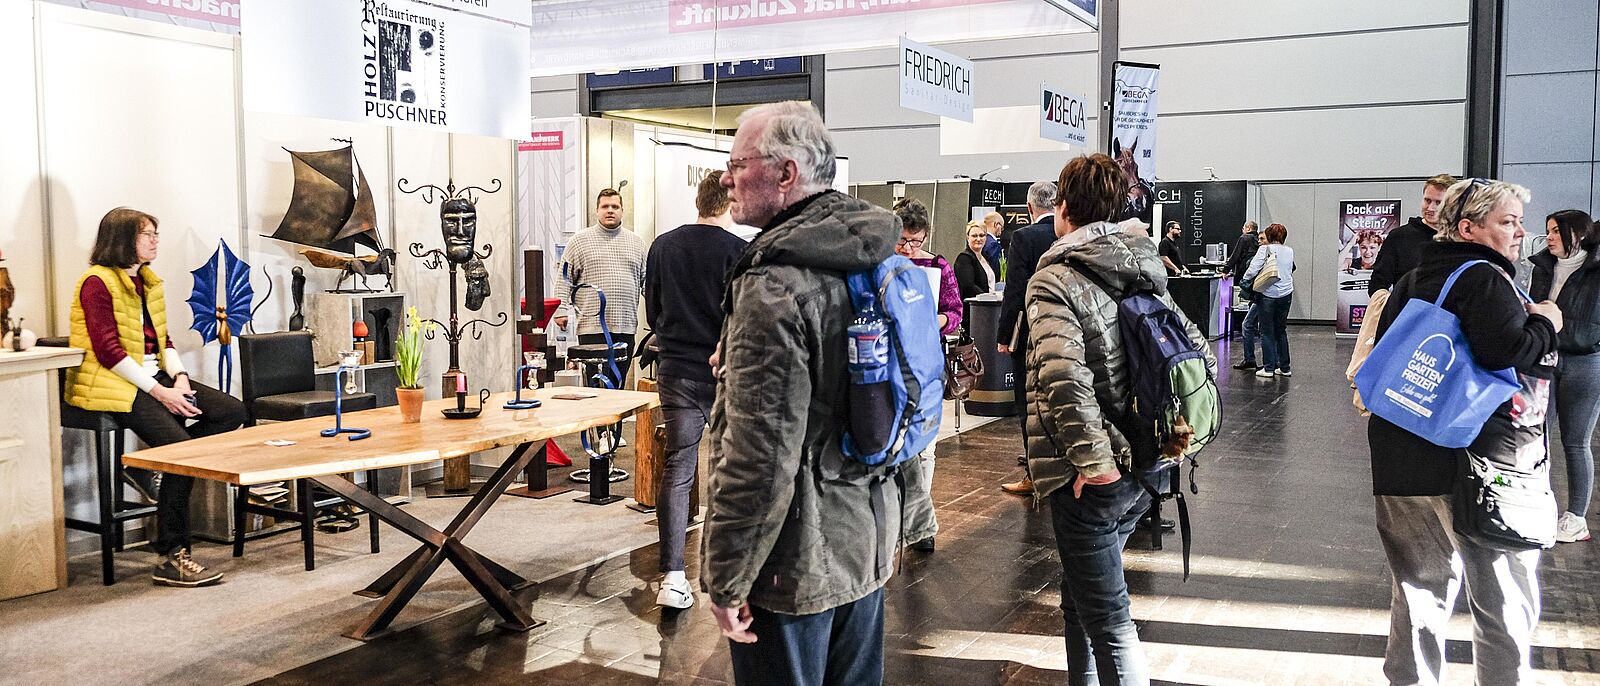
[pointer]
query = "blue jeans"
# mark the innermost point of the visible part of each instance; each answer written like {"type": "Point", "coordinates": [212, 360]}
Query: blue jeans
{"type": "Point", "coordinates": [1275, 332]}
{"type": "Point", "coordinates": [1577, 406]}
{"type": "Point", "coordinates": [1251, 331]}
{"type": "Point", "coordinates": [1102, 642]}
{"type": "Point", "coordinates": [841, 646]}
{"type": "Point", "coordinates": [686, 409]}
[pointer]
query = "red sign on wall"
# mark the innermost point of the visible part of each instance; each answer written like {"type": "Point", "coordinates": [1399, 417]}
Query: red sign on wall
{"type": "Point", "coordinates": [542, 141]}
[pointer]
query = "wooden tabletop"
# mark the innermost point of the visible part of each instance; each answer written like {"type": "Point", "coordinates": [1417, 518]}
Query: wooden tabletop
{"type": "Point", "coordinates": [38, 358]}
{"type": "Point", "coordinates": [243, 457]}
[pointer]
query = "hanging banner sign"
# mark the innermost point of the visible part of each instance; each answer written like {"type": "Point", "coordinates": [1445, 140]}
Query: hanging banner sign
{"type": "Point", "coordinates": [224, 12]}
{"type": "Point", "coordinates": [392, 62]}
{"type": "Point", "coordinates": [935, 81]}
{"type": "Point", "coordinates": [1063, 116]}
{"type": "Point", "coordinates": [1133, 135]}
{"type": "Point", "coordinates": [580, 36]}
{"type": "Point", "coordinates": [1363, 227]}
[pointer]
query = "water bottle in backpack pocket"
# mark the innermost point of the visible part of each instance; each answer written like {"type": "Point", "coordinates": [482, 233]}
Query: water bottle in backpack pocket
{"type": "Point", "coordinates": [872, 416]}
{"type": "Point", "coordinates": [896, 363]}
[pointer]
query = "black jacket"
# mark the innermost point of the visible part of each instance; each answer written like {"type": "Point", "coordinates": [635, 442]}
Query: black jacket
{"type": "Point", "coordinates": [1244, 250]}
{"type": "Point", "coordinates": [684, 273]}
{"type": "Point", "coordinates": [1028, 244]}
{"type": "Point", "coordinates": [1579, 301]}
{"type": "Point", "coordinates": [1500, 334]}
{"type": "Point", "coordinates": [970, 276]}
{"type": "Point", "coordinates": [1401, 253]}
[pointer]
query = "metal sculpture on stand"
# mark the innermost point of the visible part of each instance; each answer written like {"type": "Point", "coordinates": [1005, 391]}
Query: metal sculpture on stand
{"type": "Point", "coordinates": [344, 381]}
{"type": "Point", "coordinates": [297, 290]}
{"type": "Point", "coordinates": [221, 305]}
{"type": "Point", "coordinates": [331, 213]}
{"type": "Point", "coordinates": [458, 224]}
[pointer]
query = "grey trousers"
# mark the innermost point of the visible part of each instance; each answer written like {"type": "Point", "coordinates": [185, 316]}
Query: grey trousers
{"type": "Point", "coordinates": [686, 409]}
{"type": "Point", "coordinates": [919, 520]}
{"type": "Point", "coordinates": [1429, 562]}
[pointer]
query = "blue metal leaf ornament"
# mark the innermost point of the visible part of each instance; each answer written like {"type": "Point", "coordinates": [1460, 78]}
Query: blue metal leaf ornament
{"type": "Point", "coordinates": [220, 303]}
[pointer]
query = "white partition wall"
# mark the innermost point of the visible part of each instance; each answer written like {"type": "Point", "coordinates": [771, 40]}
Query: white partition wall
{"type": "Point", "coordinates": [21, 197]}
{"type": "Point", "coordinates": [140, 115]}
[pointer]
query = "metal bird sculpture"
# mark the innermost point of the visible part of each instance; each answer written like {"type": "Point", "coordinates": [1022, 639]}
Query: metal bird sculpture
{"type": "Point", "coordinates": [220, 303]}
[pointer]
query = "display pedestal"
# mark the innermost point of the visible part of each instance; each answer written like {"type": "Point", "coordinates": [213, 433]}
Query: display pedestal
{"type": "Point", "coordinates": [32, 519]}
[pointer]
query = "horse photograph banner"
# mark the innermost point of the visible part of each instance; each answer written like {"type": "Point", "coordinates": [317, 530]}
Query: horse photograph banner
{"type": "Point", "coordinates": [1133, 135]}
{"type": "Point", "coordinates": [1363, 227]}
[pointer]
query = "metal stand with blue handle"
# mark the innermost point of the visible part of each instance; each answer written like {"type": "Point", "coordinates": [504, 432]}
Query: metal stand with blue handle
{"type": "Point", "coordinates": [346, 374]}
{"type": "Point", "coordinates": [518, 403]}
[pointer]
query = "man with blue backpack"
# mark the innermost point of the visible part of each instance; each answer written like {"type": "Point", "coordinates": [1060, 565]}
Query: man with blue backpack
{"type": "Point", "coordinates": [830, 377]}
{"type": "Point", "coordinates": [1120, 390]}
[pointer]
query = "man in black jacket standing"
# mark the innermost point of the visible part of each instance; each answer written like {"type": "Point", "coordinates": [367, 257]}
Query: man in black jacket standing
{"type": "Point", "coordinates": [1028, 244]}
{"type": "Point", "coordinates": [1244, 250]}
{"type": "Point", "coordinates": [1402, 248]}
{"type": "Point", "coordinates": [683, 278]}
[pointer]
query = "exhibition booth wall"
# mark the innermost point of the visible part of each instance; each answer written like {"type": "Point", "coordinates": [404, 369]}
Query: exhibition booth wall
{"type": "Point", "coordinates": [1550, 104]}
{"type": "Point", "coordinates": [1257, 89]}
{"type": "Point", "coordinates": [105, 111]}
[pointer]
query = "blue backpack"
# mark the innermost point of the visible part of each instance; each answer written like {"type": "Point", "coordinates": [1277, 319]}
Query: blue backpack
{"type": "Point", "coordinates": [1422, 378]}
{"type": "Point", "coordinates": [896, 361]}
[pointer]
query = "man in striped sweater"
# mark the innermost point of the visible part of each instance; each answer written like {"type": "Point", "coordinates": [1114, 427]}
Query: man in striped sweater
{"type": "Point", "coordinates": [609, 257]}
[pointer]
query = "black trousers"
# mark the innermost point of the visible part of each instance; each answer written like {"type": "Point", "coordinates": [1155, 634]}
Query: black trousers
{"type": "Point", "coordinates": [156, 426]}
{"type": "Point", "coordinates": [624, 357]}
{"type": "Point", "coordinates": [1019, 387]}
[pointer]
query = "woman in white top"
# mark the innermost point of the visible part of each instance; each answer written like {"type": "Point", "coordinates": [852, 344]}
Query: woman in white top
{"type": "Point", "coordinates": [1274, 302]}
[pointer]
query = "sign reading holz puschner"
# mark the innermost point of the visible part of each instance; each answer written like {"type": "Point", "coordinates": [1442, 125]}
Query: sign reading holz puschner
{"type": "Point", "coordinates": [935, 81]}
{"type": "Point", "coordinates": [1062, 116]}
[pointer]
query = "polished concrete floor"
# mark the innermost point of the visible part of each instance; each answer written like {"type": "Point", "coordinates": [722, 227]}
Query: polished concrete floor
{"type": "Point", "coordinates": [1288, 587]}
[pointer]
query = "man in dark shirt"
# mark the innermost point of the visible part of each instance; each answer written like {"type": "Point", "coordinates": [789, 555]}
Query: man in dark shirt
{"type": "Point", "coordinates": [1402, 248]}
{"type": "Point", "coordinates": [685, 272]}
{"type": "Point", "coordinates": [1171, 254]}
{"type": "Point", "coordinates": [1028, 244]}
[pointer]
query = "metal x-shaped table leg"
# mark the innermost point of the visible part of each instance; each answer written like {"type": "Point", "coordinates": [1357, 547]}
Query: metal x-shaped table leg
{"type": "Point", "coordinates": [402, 582]}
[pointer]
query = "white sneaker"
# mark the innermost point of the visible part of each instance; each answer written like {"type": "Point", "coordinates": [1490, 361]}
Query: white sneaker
{"type": "Point", "coordinates": [675, 594]}
{"type": "Point", "coordinates": [1264, 374]}
{"type": "Point", "coordinates": [1284, 372]}
{"type": "Point", "coordinates": [1571, 528]}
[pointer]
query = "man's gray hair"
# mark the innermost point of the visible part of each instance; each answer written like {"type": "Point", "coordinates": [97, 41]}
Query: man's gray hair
{"type": "Point", "coordinates": [1252, 224]}
{"type": "Point", "coordinates": [1485, 195]}
{"type": "Point", "coordinates": [794, 131]}
{"type": "Point", "coordinates": [1042, 195]}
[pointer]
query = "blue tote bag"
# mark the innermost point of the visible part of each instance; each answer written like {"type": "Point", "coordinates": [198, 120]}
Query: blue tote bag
{"type": "Point", "coordinates": [1421, 376]}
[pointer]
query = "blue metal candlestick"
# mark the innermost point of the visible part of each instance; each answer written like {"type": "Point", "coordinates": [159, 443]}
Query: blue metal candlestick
{"type": "Point", "coordinates": [345, 375]}
{"type": "Point", "coordinates": [518, 403]}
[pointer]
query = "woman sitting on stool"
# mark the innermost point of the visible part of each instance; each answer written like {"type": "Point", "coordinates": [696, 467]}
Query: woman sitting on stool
{"type": "Point", "coordinates": [133, 374]}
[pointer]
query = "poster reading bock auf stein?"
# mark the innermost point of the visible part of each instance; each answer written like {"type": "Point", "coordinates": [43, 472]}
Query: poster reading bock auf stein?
{"type": "Point", "coordinates": [1363, 227]}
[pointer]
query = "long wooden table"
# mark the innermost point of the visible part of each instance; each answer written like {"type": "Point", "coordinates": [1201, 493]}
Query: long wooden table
{"type": "Point", "coordinates": [243, 457]}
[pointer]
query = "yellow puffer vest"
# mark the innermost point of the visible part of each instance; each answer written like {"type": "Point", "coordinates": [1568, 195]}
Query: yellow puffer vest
{"type": "Point", "coordinates": [96, 388]}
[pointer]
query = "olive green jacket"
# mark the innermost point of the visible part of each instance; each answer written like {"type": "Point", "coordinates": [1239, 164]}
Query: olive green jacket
{"type": "Point", "coordinates": [1077, 369]}
{"type": "Point", "coordinates": [793, 527]}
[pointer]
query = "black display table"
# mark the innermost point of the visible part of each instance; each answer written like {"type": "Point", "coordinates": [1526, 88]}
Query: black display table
{"type": "Point", "coordinates": [992, 395]}
{"type": "Point", "coordinates": [1202, 299]}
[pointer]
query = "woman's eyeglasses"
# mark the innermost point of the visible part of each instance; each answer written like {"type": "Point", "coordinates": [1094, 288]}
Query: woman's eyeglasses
{"type": "Point", "coordinates": [912, 243]}
{"type": "Point", "coordinates": [1461, 204]}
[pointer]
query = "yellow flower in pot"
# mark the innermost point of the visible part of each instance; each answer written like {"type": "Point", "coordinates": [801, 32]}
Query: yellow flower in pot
{"type": "Point", "coordinates": [408, 365]}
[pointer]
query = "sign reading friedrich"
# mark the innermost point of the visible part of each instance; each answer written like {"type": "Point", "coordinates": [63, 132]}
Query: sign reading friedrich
{"type": "Point", "coordinates": [403, 65]}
